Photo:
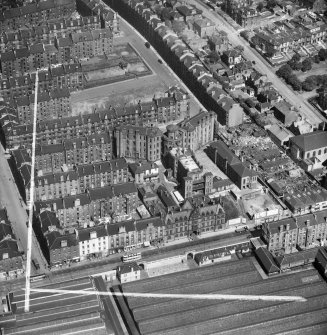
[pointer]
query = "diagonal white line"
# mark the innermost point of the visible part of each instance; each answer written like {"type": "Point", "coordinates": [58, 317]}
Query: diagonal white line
{"type": "Point", "coordinates": [179, 296]}
{"type": "Point", "coordinates": [31, 204]}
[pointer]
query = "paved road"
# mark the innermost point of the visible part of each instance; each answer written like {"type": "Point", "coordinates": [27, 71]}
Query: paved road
{"type": "Point", "coordinates": [10, 198]}
{"type": "Point", "coordinates": [297, 100]}
{"type": "Point", "coordinates": [110, 263]}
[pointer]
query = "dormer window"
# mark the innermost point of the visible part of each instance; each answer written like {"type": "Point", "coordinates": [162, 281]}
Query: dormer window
{"type": "Point", "coordinates": [63, 243]}
{"type": "Point", "coordinates": [93, 235]}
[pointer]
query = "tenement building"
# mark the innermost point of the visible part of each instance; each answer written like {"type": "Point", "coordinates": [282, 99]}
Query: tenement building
{"type": "Point", "coordinates": [109, 201]}
{"type": "Point", "coordinates": [83, 150]}
{"type": "Point", "coordinates": [138, 142]}
{"type": "Point", "coordinates": [191, 133]}
{"type": "Point", "coordinates": [296, 233]}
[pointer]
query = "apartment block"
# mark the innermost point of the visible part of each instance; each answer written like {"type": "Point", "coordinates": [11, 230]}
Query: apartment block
{"type": "Point", "coordinates": [55, 131]}
{"type": "Point", "coordinates": [33, 13]}
{"type": "Point", "coordinates": [230, 164]}
{"type": "Point", "coordinates": [296, 233]}
{"type": "Point", "coordinates": [49, 106]}
{"type": "Point", "coordinates": [191, 133]}
{"type": "Point", "coordinates": [102, 174]}
{"type": "Point", "coordinates": [83, 150]}
{"type": "Point", "coordinates": [63, 249]}
{"type": "Point", "coordinates": [138, 142]}
{"type": "Point", "coordinates": [115, 200]}
{"type": "Point", "coordinates": [134, 233]}
{"type": "Point", "coordinates": [92, 241]}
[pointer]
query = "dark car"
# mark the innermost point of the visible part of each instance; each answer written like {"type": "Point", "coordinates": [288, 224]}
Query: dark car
{"type": "Point", "coordinates": [160, 61]}
{"type": "Point", "coordinates": [147, 44]}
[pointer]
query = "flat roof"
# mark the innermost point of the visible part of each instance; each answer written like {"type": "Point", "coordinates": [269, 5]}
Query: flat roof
{"type": "Point", "coordinates": [189, 163]}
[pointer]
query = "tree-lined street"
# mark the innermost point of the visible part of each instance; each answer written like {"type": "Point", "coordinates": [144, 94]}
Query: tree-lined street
{"type": "Point", "coordinates": [249, 53]}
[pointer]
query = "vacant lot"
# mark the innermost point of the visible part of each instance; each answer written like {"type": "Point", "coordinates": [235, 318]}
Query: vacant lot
{"type": "Point", "coordinates": [117, 94]}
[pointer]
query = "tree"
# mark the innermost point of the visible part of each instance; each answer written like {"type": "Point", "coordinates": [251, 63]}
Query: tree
{"type": "Point", "coordinates": [178, 26]}
{"type": "Point", "coordinates": [240, 48]}
{"type": "Point", "coordinates": [165, 14]}
{"type": "Point", "coordinates": [213, 57]}
{"type": "Point", "coordinates": [284, 71]}
{"type": "Point", "coordinates": [296, 66]}
{"type": "Point", "coordinates": [306, 65]}
{"type": "Point", "coordinates": [319, 6]}
{"type": "Point", "coordinates": [296, 58]}
{"type": "Point", "coordinates": [294, 82]}
{"type": "Point", "coordinates": [260, 6]}
{"type": "Point", "coordinates": [271, 3]}
{"type": "Point", "coordinates": [309, 84]}
{"type": "Point", "coordinates": [316, 59]}
{"type": "Point", "coordinates": [322, 53]}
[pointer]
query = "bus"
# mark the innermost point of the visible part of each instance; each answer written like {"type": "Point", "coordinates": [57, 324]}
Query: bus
{"type": "Point", "coordinates": [131, 257]}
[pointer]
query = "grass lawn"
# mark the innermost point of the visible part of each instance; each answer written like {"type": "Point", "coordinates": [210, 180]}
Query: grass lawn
{"type": "Point", "coordinates": [317, 69]}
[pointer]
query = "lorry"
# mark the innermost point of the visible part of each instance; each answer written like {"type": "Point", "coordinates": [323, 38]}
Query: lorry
{"type": "Point", "coordinates": [240, 229]}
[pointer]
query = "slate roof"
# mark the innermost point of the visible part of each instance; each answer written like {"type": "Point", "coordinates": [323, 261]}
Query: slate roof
{"type": "Point", "coordinates": [48, 219]}
{"type": "Point", "coordinates": [7, 56]}
{"type": "Point", "coordinates": [55, 238]}
{"type": "Point", "coordinates": [64, 42]}
{"type": "Point", "coordinates": [165, 196]}
{"type": "Point", "coordinates": [83, 234]}
{"type": "Point", "coordinates": [69, 202]}
{"type": "Point", "coordinates": [310, 141]}
{"type": "Point", "coordinates": [136, 168]}
{"type": "Point", "coordinates": [301, 256]}
{"type": "Point", "coordinates": [273, 227]}
{"type": "Point", "coordinates": [225, 152]}
{"type": "Point", "coordinates": [21, 156]}
{"type": "Point", "coordinates": [128, 268]}
{"type": "Point", "coordinates": [37, 48]}
{"type": "Point", "coordinates": [5, 230]}
{"type": "Point", "coordinates": [266, 259]}
{"type": "Point", "coordinates": [9, 246]}
{"type": "Point", "coordinates": [22, 53]}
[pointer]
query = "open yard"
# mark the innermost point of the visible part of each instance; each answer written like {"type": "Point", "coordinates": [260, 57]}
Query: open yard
{"type": "Point", "coordinates": [118, 94]}
{"type": "Point", "coordinates": [317, 69]}
{"type": "Point", "coordinates": [259, 204]}
{"type": "Point", "coordinates": [231, 208]}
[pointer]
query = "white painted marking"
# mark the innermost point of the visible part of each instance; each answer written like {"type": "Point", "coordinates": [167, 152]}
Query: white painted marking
{"type": "Point", "coordinates": [183, 296]}
{"type": "Point", "coordinates": [86, 331]}
{"type": "Point", "coordinates": [31, 204]}
{"type": "Point", "coordinates": [58, 313]}
{"type": "Point", "coordinates": [48, 297]}
{"type": "Point", "coordinates": [59, 323]}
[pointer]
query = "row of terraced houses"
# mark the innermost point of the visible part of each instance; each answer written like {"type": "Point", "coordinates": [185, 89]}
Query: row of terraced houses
{"type": "Point", "coordinates": [198, 214]}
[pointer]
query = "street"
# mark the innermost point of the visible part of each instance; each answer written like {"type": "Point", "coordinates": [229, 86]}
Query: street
{"type": "Point", "coordinates": [91, 268]}
{"type": "Point", "coordinates": [11, 200]}
{"type": "Point", "coordinates": [250, 54]}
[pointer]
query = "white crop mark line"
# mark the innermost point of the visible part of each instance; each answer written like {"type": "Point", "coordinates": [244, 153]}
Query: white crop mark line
{"type": "Point", "coordinates": [31, 204]}
{"type": "Point", "coordinates": [180, 296]}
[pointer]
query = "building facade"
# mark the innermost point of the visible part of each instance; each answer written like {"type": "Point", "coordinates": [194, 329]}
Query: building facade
{"type": "Point", "coordinates": [138, 142]}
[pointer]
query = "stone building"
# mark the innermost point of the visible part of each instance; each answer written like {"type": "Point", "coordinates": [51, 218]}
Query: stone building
{"type": "Point", "coordinates": [138, 142]}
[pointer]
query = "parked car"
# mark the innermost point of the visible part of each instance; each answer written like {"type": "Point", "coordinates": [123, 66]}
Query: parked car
{"type": "Point", "coordinates": [147, 44]}
{"type": "Point", "coordinates": [160, 61]}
